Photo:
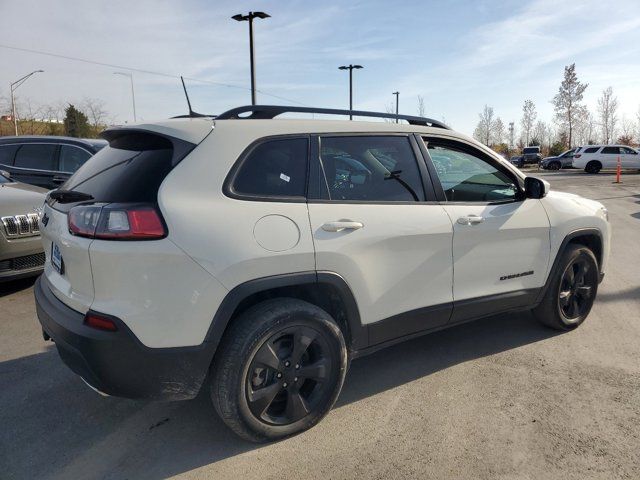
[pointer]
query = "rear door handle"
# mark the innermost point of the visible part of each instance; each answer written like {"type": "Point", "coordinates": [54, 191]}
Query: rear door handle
{"type": "Point", "coordinates": [341, 225]}
{"type": "Point", "coordinates": [470, 220]}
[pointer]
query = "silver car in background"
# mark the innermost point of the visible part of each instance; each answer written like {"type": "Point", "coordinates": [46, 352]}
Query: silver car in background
{"type": "Point", "coordinates": [21, 253]}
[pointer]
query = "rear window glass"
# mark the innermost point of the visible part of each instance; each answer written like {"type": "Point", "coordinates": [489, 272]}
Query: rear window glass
{"type": "Point", "coordinates": [275, 168]}
{"type": "Point", "coordinates": [36, 156]}
{"type": "Point", "coordinates": [72, 158]}
{"type": "Point", "coordinates": [130, 169]}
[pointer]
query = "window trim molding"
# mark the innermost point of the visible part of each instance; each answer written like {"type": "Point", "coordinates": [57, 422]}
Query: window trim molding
{"type": "Point", "coordinates": [227, 185]}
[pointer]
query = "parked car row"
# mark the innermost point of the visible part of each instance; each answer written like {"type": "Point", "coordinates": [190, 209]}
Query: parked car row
{"type": "Point", "coordinates": [29, 166]}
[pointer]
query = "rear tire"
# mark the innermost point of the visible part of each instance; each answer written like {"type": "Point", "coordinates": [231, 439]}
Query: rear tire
{"type": "Point", "coordinates": [279, 369]}
{"type": "Point", "coordinates": [569, 298]}
{"type": "Point", "coordinates": [554, 166]}
{"type": "Point", "coordinates": [593, 167]}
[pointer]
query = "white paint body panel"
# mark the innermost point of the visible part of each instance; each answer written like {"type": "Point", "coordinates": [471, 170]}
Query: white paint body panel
{"type": "Point", "coordinates": [400, 260]}
{"type": "Point", "coordinates": [513, 238]}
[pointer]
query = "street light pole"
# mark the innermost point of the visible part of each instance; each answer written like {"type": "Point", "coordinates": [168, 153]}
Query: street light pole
{"type": "Point", "coordinates": [133, 93]}
{"type": "Point", "coordinates": [350, 68]}
{"type": "Point", "coordinates": [397, 94]}
{"type": "Point", "coordinates": [243, 18]}
{"type": "Point", "coordinates": [13, 87]}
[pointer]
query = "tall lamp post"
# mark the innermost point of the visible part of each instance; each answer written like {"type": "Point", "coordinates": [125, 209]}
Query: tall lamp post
{"type": "Point", "coordinates": [350, 68]}
{"type": "Point", "coordinates": [133, 94]}
{"type": "Point", "coordinates": [243, 18]}
{"type": "Point", "coordinates": [14, 87]}
{"type": "Point", "coordinates": [397, 94]}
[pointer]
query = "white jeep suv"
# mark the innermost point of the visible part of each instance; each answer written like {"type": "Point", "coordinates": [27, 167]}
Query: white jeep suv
{"type": "Point", "coordinates": [255, 256]}
{"type": "Point", "coordinates": [593, 158]}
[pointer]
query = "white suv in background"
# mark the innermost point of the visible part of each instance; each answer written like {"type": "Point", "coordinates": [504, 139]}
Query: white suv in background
{"type": "Point", "coordinates": [255, 256]}
{"type": "Point", "coordinates": [593, 158]}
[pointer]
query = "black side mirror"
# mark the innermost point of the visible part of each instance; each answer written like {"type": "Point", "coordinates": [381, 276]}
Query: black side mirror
{"type": "Point", "coordinates": [535, 187]}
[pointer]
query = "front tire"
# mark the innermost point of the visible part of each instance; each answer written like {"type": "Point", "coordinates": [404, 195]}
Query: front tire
{"type": "Point", "coordinates": [569, 298]}
{"type": "Point", "coordinates": [279, 369]}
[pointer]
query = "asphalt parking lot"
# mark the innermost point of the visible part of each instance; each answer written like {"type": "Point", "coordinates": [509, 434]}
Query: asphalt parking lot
{"type": "Point", "coordinates": [499, 398]}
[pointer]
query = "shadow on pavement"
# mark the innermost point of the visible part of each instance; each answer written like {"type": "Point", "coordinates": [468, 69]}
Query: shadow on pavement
{"type": "Point", "coordinates": [52, 424]}
{"type": "Point", "coordinates": [7, 288]}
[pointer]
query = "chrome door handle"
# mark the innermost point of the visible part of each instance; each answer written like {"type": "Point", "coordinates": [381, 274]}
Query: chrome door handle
{"type": "Point", "coordinates": [341, 225]}
{"type": "Point", "coordinates": [470, 220]}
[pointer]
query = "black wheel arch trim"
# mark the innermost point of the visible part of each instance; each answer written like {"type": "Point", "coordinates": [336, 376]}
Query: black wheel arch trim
{"type": "Point", "coordinates": [357, 333]}
{"type": "Point", "coordinates": [553, 271]}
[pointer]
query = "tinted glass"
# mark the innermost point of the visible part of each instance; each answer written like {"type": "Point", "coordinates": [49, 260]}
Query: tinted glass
{"type": "Point", "coordinates": [36, 156]}
{"type": "Point", "coordinates": [6, 154]}
{"type": "Point", "coordinates": [72, 158]}
{"type": "Point", "coordinates": [275, 168]}
{"type": "Point", "coordinates": [591, 150]}
{"type": "Point", "coordinates": [531, 150]}
{"type": "Point", "coordinates": [371, 168]}
{"type": "Point", "coordinates": [131, 169]}
{"type": "Point", "coordinates": [628, 151]}
{"type": "Point", "coordinates": [611, 150]}
{"type": "Point", "coordinates": [467, 176]}
{"type": "Point", "coordinates": [4, 179]}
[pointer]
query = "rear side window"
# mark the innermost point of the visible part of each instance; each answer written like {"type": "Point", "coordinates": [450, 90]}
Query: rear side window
{"type": "Point", "coordinates": [591, 150]}
{"type": "Point", "coordinates": [7, 153]}
{"type": "Point", "coordinates": [274, 168]}
{"type": "Point", "coordinates": [371, 168]}
{"type": "Point", "coordinates": [611, 150]}
{"type": "Point", "coordinates": [130, 169]}
{"type": "Point", "coordinates": [36, 156]}
{"type": "Point", "coordinates": [72, 158]}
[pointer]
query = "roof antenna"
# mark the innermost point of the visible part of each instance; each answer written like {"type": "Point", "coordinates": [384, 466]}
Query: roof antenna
{"type": "Point", "coordinates": [191, 112]}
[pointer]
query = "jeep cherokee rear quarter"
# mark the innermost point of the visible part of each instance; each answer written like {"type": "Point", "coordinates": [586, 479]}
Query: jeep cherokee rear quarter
{"type": "Point", "coordinates": [278, 249]}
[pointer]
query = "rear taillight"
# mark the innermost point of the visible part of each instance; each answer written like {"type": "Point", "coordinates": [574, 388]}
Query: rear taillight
{"type": "Point", "coordinates": [116, 222]}
{"type": "Point", "coordinates": [100, 322]}
{"type": "Point", "coordinates": [578, 155]}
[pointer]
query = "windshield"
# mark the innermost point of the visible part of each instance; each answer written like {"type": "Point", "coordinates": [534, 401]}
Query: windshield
{"type": "Point", "coordinates": [531, 150]}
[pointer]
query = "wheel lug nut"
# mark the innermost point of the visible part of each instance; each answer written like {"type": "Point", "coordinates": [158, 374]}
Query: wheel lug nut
{"type": "Point", "coordinates": [297, 366]}
{"type": "Point", "coordinates": [279, 375]}
{"type": "Point", "coordinates": [295, 379]}
{"type": "Point", "coordinates": [284, 384]}
{"type": "Point", "coordinates": [287, 363]}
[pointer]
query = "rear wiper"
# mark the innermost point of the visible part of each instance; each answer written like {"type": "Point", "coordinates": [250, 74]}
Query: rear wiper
{"type": "Point", "coordinates": [69, 196]}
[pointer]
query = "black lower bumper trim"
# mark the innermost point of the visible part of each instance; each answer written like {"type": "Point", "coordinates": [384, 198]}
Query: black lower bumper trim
{"type": "Point", "coordinates": [117, 363]}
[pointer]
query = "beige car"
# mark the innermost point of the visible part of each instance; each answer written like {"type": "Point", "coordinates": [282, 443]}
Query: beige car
{"type": "Point", "coordinates": [21, 252]}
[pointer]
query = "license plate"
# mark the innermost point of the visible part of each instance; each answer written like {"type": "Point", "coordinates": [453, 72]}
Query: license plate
{"type": "Point", "coordinates": [56, 259]}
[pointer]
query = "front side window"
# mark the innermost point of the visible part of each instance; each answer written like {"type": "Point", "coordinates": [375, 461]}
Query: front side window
{"type": "Point", "coordinates": [275, 168]}
{"type": "Point", "coordinates": [371, 168]}
{"type": "Point", "coordinates": [36, 156]}
{"type": "Point", "coordinates": [591, 150]}
{"type": "Point", "coordinates": [72, 158]}
{"type": "Point", "coordinates": [468, 175]}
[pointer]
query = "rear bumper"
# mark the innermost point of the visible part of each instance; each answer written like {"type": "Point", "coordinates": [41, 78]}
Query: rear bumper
{"type": "Point", "coordinates": [117, 363]}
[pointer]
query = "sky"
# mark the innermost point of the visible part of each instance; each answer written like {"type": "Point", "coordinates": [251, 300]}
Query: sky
{"type": "Point", "coordinates": [459, 55]}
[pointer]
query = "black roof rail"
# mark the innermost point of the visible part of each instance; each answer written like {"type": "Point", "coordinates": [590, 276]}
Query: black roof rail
{"type": "Point", "coordinates": [267, 112]}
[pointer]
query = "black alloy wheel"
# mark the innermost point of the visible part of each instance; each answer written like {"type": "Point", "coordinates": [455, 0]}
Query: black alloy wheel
{"type": "Point", "coordinates": [287, 376]}
{"type": "Point", "coordinates": [577, 288]}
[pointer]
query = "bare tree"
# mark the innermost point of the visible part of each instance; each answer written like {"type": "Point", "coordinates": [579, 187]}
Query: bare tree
{"type": "Point", "coordinates": [528, 120]}
{"type": "Point", "coordinates": [421, 108]}
{"type": "Point", "coordinates": [607, 110]}
{"type": "Point", "coordinates": [498, 132]}
{"type": "Point", "coordinates": [627, 131]}
{"type": "Point", "coordinates": [566, 102]}
{"type": "Point", "coordinates": [540, 132]}
{"type": "Point", "coordinates": [94, 109]}
{"type": "Point", "coordinates": [484, 129]}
